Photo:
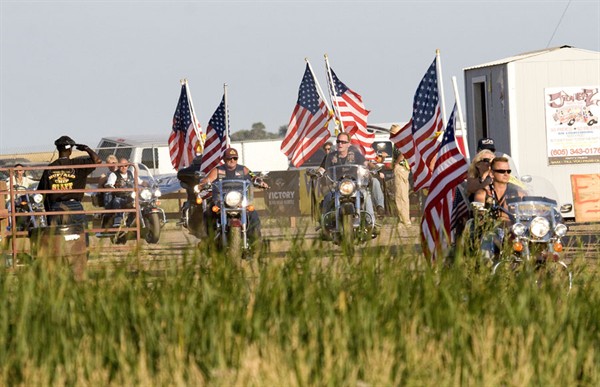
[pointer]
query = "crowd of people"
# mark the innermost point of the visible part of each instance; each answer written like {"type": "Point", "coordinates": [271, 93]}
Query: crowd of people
{"type": "Point", "coordinates": [488, 179]}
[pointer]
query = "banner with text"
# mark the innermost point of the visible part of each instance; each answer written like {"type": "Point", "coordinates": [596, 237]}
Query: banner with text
{"type": "Point", "coordinates": [572, 127]}
{"type": "Point", "coordinates": [282, 198]}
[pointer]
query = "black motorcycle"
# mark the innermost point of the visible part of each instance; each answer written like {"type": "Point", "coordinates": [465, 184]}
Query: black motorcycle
{"type": "Point", "coordinates": [27, 203]}
{"type": "Point", "coordinates": [234, 221]}
{"type": "Point", "coordinates": [346, 221]}
{"type": "Point", "coordinates": [192, 210]}
{"type": "Point", "coordinates": [151, 217]}
{"type": "Point", "coordinates": [530, 240]}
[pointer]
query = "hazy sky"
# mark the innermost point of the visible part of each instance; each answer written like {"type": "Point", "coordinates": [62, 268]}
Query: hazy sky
{"type": "Point", "coordinates": [103, 68]}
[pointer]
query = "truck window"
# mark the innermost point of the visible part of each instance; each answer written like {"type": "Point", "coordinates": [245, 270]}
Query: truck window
{"type": "Point", "coordinates": [150, 158]}
{"type": "Point", "coordinates": [106, 148]}
{"type": "Point", "coordinates": [123, 152]}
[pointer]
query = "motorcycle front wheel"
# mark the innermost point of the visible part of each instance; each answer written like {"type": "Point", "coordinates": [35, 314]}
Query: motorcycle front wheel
{"type": "Point", "coordinates": [234, 247]}
{"type": "Point", "coordinates": [153, 228]}
{"type": "Point", "coordinates": [548, 273]}
{"type": "Point", "coordinates": [347, 234]}
{"type": "Point", "coordinates": [554, 274]}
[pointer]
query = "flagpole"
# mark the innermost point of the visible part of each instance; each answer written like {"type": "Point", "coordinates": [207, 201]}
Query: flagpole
{"type": "Point", "coordinates": [319, 90]}
{"type": "Point", "coordinates": [227, 134]}
{"type": "Point", "coordinates": [193, 113]}
{"type": "Point", "coordinates": [438, 64]}
{"type": "Point", "coordinates": [463, 130]}
{"type": "Point", "coordinates": [332, 93]}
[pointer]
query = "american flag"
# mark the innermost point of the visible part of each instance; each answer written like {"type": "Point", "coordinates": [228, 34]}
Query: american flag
{"type": "Point", "coordinates": [185, 137]}
{"type": "Point", "coordinates": [427, 123]}
{"type": "Point", "coordinates": [403, 139]}
{"type": "Point", "coordinates": [460, 210]}
{"type": "Point", "coordinates": [216, 139]}
{"type": "Point", "coordinates": [450, 170]}
{"type": "Point", "coordinates": [352, 113]}
{"type": "Point", "coordinates": [307, 129]}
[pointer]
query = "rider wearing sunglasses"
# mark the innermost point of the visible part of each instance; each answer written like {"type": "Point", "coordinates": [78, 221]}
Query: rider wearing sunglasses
{"type": "Point", "coordinates": [347, 154]}
{"type": "Point", "coordinates": [501, 189]}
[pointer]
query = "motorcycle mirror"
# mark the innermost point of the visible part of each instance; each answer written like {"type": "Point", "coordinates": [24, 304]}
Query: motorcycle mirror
{"type": "Point", "coordinates": [566, 208]}
{"type": "Point", "coordinates": [526, 178]}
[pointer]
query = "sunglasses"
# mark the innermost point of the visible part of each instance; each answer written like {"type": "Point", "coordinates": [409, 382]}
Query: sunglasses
{"type": "Point", "coordinates": [503, 171]}
{"type": "Point", "coordinates": [232, 158]}
{"type": "Point", "coordinates": [485, 161]}
{"type": "Point", "coordinates": [327, 149]}
{"type": "Point", "coordinates": [342, 142]}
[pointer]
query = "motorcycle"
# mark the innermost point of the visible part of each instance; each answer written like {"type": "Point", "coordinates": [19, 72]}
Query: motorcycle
{"type": "Point", "coordinates": [29, 203]}
{"type": "Point", "coordinates": [347, 221]}
{"type": "Point", "coordinates": [192, 210]}
{"type": "Point", "coordinates": [234, 220]}
{"type": "Point", "coordinates": [532, 237]}
{"type": "Point", "coordinates": [152, 218]}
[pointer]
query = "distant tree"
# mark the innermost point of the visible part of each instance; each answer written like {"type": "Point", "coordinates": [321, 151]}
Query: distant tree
{"type": "Point", "coordinates": [282, 130]}
{"type": "Point", "coordinates": [258, 132]}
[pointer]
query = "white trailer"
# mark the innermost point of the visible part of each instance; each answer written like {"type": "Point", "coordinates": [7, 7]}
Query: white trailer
{"type": "Point", "coordinates": [541, 108]}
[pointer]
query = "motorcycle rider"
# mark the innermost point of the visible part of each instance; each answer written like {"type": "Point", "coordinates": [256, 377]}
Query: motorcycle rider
{"type": "Point", "coordinates": [346, 154]}
{"type": "Point", "coordinates": [121, 178]}
{"type": "Point", "coordinates": [500, 189]}
{"type": "Point", "coordinates": [232, 170]}
{"type": "Point", "coordinates": [188, 179]}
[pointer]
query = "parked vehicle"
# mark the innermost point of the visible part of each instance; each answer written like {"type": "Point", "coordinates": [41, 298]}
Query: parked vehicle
{"type": "Point", "coordinates": [27, 203]}
{"type": "Point", "coordinates": [152, 218]}
{"type": "Point", "coordinates": [347, 222]}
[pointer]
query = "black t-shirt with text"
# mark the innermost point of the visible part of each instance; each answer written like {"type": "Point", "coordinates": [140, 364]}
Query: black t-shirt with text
{"type": "Point", "coordinates": [65, 179]}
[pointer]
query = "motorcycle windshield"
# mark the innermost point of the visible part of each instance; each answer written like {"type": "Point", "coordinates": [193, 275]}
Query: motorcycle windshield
{"type": "Point", "coordinates": [357, 173]}
{"type": "Point", "coordinates": [234, 193]}
{"type": "Point", "coordinates": [540, 199]}
{"type": "Point", "coordinates": [145, 175]}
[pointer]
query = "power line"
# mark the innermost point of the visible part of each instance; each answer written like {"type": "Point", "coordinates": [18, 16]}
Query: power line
{"type": "Point", "coordinates": [558, 24]}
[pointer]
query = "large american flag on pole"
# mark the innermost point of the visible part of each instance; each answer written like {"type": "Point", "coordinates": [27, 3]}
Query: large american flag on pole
{"type": "Point", "coordinates": [426, 123]}
{"type": "Point", "coordinates": [184, 140]}
{"type": "Point", "coordinates": [351, 112]}
{"type": "Point", "coordinates": [307, 129]}
{"type": "Point", "coordinates": [216, 139]}
{"type": "Point", "coordinates": [450, 170]}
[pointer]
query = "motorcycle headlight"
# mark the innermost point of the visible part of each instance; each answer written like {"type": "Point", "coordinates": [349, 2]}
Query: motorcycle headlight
{"type": "Point", "coordinates": [539, 227]}
{"type": "Point", "coordinates": [157, 193]}
{"type": "Point", "coordinates": [233, 198]}
{"type": "Point", "coordinates": [145, 194]}
{"type": "Point", "coordinates": [519, 229]}
{"type": "Point", "coordinates": [197, 188]}
{"type": "Point", "coordinates": [37, 198]}
{"type": "Point", "coordinates": [346, 187]}
{"type": "Point", "coordinates": [561, 230]}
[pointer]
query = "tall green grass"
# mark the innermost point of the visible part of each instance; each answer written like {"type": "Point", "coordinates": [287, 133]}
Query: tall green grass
{"type": "Point", "coordinates": [313, 318]}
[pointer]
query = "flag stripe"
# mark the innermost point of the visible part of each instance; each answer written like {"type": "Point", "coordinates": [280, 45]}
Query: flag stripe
{"type": "Point", "coordinates": [216, 139]}
{"type": "Point", "coordinates": [351, 112]}
{"type": "Point", "coordinates": [308, 126]}
{"type": "Point", "coordinates": [184, 139]}
{"type": "Point", "coordinates": [450, 171]}
{"type": "Point", "coordinates": [426, 124]}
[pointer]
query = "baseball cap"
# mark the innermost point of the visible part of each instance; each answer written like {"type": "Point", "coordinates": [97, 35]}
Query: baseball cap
{"type": "Point", "coordinates": [486, 143]}
{"type": "Point", "coordinates": [230, 153]}
{"type": "Point", "coordinates": [64, 142]}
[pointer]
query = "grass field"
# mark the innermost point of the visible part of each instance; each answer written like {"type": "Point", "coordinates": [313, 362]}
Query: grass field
{"type": "Point", "coordinates": [302, 320]}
